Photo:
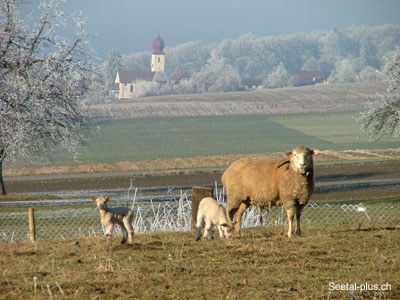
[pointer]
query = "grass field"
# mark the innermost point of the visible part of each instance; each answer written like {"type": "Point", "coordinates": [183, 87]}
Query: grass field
{"type": "Point", "coordinates": [151, 138]}
{"type": "Point", "coordinates": [262, 264]}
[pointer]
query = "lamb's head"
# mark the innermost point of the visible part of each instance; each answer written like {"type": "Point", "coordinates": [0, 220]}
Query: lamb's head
{"type": "Point", "coordinates": [228, 228]}
{"type": "Point", "coordinates": [301, 159]}
{"type": "Point", "coordinates": [101, 202]}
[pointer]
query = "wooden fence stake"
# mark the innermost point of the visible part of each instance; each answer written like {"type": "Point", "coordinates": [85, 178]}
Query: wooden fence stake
{"type": "Point", "coordinates": [198, 193]}
{"type": "Point", "coordinates": [32, 224]}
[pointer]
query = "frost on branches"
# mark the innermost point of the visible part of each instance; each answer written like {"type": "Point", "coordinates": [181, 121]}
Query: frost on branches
{"type": "Point", "coordinates": [43, 77]}
{"type": "Point", "coordinates": [383, 116]}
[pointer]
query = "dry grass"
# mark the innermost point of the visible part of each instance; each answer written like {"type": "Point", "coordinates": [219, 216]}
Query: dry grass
{"type": "Point", "coordinates": [214, 161]}
{"type": "Point", "coordinates": [262, 264]}
{"type": "Point", "coordinates": [308, 99]}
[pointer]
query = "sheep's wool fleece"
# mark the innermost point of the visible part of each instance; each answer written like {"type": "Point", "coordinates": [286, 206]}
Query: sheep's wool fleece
{"type": "Point", "coordinates": [262, 180]}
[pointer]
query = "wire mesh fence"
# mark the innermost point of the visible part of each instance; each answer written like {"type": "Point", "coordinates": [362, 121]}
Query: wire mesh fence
{"type": "Point", "coordinates": [175, 215]}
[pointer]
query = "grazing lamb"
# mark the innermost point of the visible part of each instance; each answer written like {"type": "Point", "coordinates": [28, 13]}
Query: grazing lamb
{"type": "Point", "coordinates": [264, 181]}
{"type": "Point", "coordinates": [210, 213]}
{"type": "Point", "coordinates": [122, 216]}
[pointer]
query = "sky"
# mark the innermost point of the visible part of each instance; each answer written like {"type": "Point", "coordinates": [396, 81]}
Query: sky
{"type": "Point", "coordinates": [131, 25]}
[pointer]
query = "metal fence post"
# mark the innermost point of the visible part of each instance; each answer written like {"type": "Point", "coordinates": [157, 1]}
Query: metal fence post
{"type": "Point", "coordinates": [32, 224]}
{"type": "Point", "coordinates": [198, 193]}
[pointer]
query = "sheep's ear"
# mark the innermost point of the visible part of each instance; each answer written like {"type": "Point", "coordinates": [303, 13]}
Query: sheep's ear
{"type": "Point", "coordinates": [93, 198]}
{"type": "Point", "coordinates": [289, 154]}
{"type": "Point", "coordinates": [225, 225]}
{"type": "Point", "coordinates": [314, 151]}
{"type": "Point", "coordinates": [108, 198]}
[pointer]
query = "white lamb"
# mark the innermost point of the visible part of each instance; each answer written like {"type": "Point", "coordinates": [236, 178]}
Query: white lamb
{"type": "Point", "coordinates": [122, 216]}
{"type": "Point", "coordinates": [210, 213]}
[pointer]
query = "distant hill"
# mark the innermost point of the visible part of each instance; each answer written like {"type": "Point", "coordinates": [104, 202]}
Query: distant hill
{"type": "Point", "coordinates": [309, 99]}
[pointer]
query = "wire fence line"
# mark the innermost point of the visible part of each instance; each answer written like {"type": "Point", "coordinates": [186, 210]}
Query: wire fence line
{"type": "Point", "coordinates": [175, 215]}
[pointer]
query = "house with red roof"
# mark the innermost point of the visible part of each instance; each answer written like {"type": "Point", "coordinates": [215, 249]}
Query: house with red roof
{"type": "Point", "coordinates": [310, 78]}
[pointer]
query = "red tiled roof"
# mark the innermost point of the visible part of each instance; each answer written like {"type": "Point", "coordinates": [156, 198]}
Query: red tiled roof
{"type": "Point", "coordinates": [309, 77]}
{"type": "Point", "coordinates": [180, 75]}
{"type": "Point", "coordinates": [127, 76]}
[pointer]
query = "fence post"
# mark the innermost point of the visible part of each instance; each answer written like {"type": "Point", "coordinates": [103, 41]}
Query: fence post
{"type": "Point", "coordinates": [198, 193]}
{"type": "Point", "coordinates": [32, 224]}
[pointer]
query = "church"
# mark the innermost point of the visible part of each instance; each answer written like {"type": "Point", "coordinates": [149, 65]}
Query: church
{"type": "Point", "coordinates": [126, 79]}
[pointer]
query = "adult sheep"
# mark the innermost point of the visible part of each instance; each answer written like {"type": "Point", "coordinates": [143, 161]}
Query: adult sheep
{"type": "Point", "coordinates": [265, 182]}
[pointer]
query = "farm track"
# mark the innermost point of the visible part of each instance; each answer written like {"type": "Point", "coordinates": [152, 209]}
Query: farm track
{"type": "Point", "coordinates": [358, 180]}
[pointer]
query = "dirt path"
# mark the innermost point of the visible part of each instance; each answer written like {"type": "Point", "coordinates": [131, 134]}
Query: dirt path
{"type": "Point", "coordinates": [352, 181]}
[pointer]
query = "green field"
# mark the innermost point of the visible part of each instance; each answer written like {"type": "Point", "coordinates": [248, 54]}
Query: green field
{"type": "Point", "coordinates": [151, 138]}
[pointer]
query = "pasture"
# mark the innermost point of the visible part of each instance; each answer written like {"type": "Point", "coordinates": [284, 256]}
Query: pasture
{"type": "Point", "coordinates": [327, 262]}
{"type": "Point", "coordinates": [159, 138]}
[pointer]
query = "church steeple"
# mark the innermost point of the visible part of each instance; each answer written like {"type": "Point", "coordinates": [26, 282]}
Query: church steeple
{"type": "Point", "coordinates": [158, 56]}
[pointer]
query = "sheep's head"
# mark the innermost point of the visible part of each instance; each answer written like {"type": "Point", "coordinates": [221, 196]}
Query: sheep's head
{"type": "Point", "coordinates": [301, 159]}
{"type": "Point", "coordinates": [101, 201]}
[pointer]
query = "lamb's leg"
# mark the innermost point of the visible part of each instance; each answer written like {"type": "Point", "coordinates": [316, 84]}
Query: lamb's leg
{"type": "Point", "coordinates": [129, 228]}
{"type": "Point", "coordinates": [299, 208]}
{"type": "Point", "coordinates": [124, 233]}
{"type": "Point", "coordinates": [290, 217]}
{"type": "Point", "coordinates": [109, 231]}
{"type": "Point", "coordinates": [199, 225]}
{"type": "Point", "coordinates": [221, 232]}
{"type": "Point", "coordinates": [208, 230]}
{"type": "Point", "coordinates": [238, 216]}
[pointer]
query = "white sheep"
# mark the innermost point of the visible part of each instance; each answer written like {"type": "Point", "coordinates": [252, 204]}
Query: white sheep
{"type": "Point", "coordinates": [266, 181]}
{"type": "Point", "coordinates": [211, 213]}
{"type": "Point", "coordinates": [122, 216]}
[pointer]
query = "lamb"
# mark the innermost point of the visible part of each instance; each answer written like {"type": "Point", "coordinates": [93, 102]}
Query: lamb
{"type": "Point", "coordinates": [265, 181]}
{"type": "Point", "coordinates": [122, 216]}
{"type": "Point", "coordinates": [210, 213]}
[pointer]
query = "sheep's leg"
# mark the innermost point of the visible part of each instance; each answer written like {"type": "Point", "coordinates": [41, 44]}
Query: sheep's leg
{"type": "Point", "coordinates": [290, 217]}
{"type": "Point", "coordinates": [129, 228]}
{"type": "Point", "coordinates": [299, 208]}
{"type": "Point", "coordinates": [260, 215]}
{"type": "Point", "coordinates": [230, 212]}
{"type": "Point", "coordinates": [290, 211]}
{"type": "Point", "coordinates": [238, 216]}
{"type": "Point", "coordinates": [124, 233]}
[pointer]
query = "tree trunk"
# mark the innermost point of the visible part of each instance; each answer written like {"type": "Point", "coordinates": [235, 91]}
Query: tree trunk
{"type": "Point", "coordinates": [2, 188]}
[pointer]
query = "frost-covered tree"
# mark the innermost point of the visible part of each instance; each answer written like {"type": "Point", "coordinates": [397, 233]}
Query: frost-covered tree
{"type": "Point", "coordinates": [278, 78]}
{"type": "Point", "coordinates": [43, 77]}
{"type": "Point", "coordinates": [345, 70]}
{"type": "Point", "coordinates": [215, 76]}
{"type": "Point", "coordinates": [370, 74]}
{"type": "Point", "coordinates": [383, 116]}
{"type": "Point", "coordinates": [111, 65]}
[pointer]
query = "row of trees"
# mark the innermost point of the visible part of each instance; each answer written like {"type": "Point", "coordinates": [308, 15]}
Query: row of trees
{"type": "Point", "coordinates": [275, 60]}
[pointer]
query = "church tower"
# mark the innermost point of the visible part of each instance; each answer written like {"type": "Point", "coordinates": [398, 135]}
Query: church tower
{"type": "Point", "coordinates": [158, 56]}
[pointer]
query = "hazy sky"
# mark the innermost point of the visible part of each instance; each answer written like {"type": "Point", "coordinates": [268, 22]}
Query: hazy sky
{"type": "Point", "coordinates": [132, 25]}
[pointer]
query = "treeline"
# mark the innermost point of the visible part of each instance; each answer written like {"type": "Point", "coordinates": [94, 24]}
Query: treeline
{"type": "Point", "coordinates": [360, 50]}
